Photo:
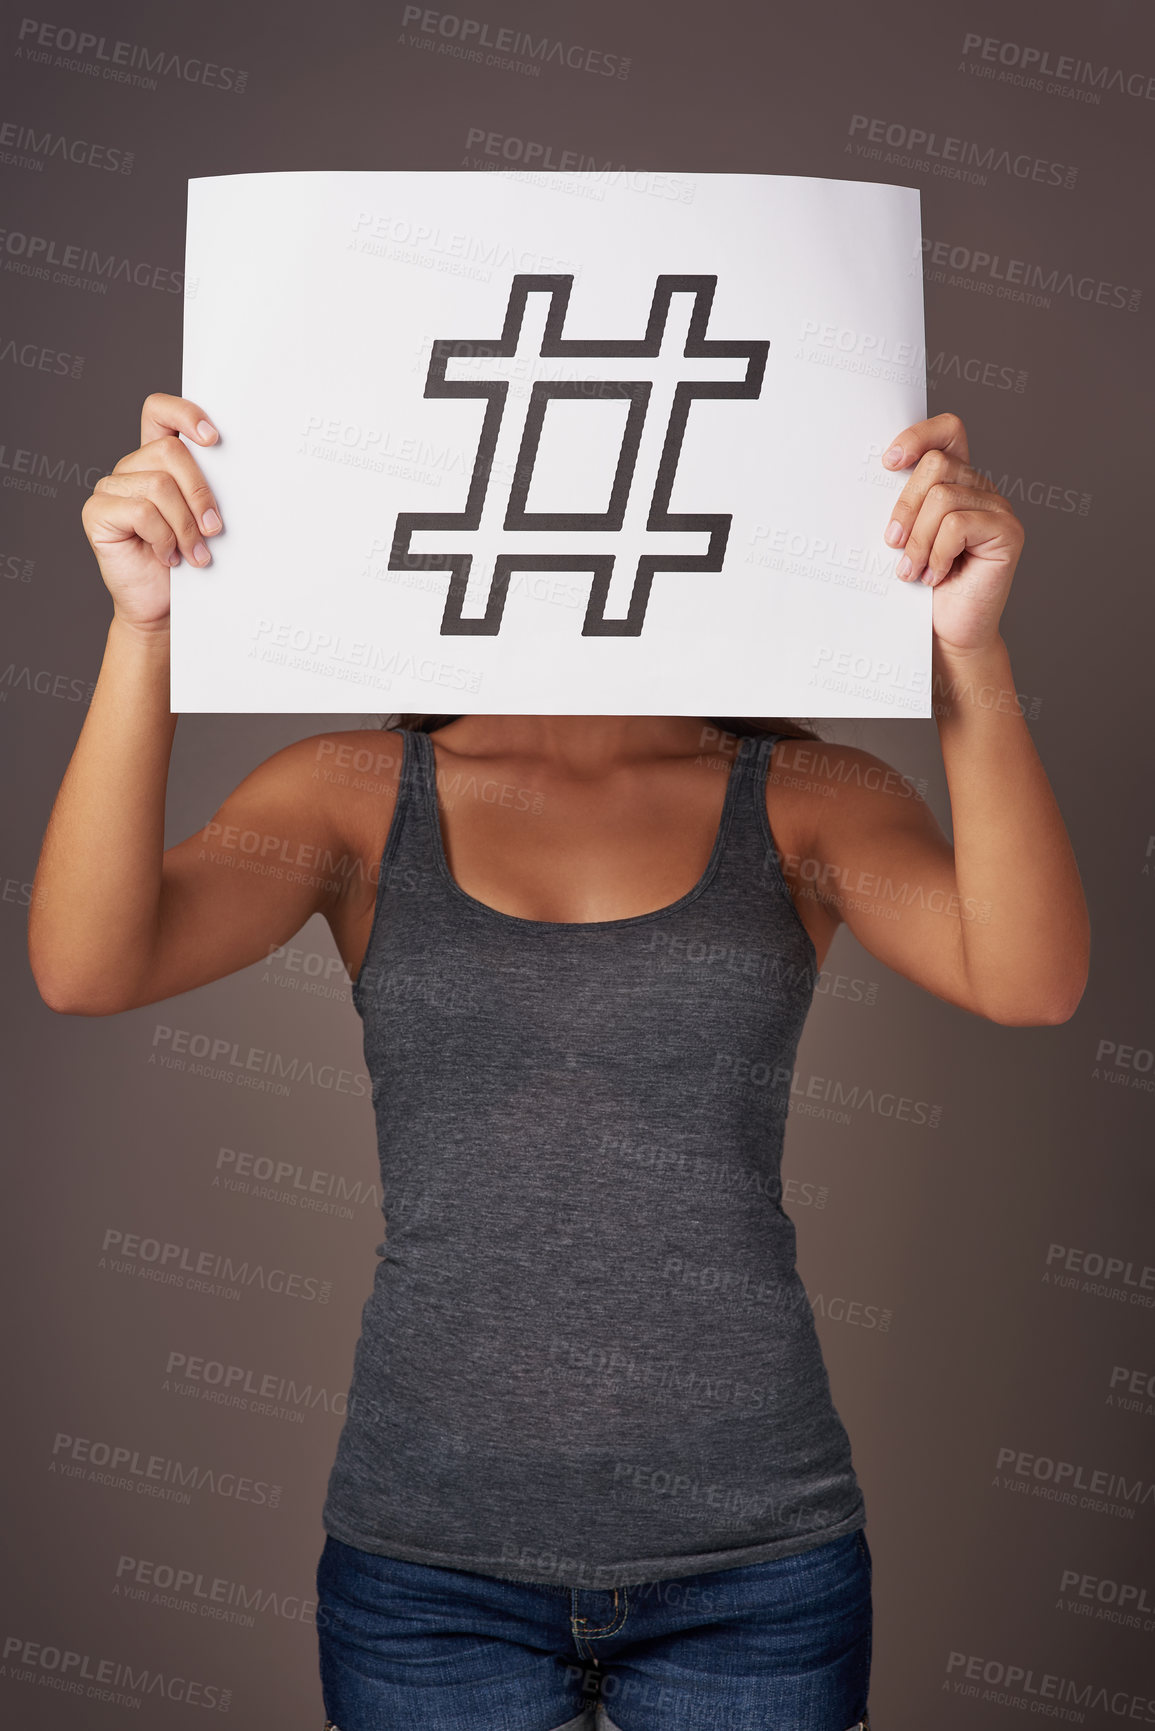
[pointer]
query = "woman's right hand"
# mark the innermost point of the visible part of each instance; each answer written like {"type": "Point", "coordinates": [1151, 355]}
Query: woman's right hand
{"type": "Point", "coordinates": [153, 509]}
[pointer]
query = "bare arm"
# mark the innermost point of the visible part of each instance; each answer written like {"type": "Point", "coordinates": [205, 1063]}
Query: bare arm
{"type": "Point", "coordinates": [93, 916]}
{"type": "Point", "coordinates": [1028, 961]}
{"type": "Point", "coordinates": [116, 921]}
{"type": "Point", "coordinates": [997, 923]}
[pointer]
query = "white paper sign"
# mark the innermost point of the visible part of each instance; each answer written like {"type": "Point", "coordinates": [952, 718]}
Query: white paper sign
{"type": "Point", "coordinates": [572, 444]}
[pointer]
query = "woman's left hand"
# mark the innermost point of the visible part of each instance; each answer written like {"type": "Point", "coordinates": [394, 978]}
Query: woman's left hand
{"type": "Point", "coordinates": [960, 536]}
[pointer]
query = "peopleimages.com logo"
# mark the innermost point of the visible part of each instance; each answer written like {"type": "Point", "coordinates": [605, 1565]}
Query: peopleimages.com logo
{"type": "Point", "coordinates": [1023, 63]}
{"type": "Point", "coordinates": [466, 37]}
{"type": "Point", "coordinates": [118, 61]}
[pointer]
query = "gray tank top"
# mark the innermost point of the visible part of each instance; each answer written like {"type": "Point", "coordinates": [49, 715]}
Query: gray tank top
{"type": "Point", "coordinates": [587, 1358]}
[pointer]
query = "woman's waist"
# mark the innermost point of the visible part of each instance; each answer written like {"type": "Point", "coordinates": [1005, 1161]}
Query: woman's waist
{"type": "Point", "coordinates": [605, 1344]}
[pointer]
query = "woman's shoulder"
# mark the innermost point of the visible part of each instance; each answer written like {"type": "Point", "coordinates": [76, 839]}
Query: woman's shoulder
{"type": "Point", "coordinates": [818, 782]}
{"type": "Point", "coordinates": [826, 764]}
{"type": "Point", "coordinates": [354, 761]}
{"type": "Point", "coordinates": [348, 779]}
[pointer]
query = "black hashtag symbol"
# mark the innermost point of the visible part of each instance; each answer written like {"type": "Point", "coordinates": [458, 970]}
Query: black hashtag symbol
{"type": "Point", "coordinates": [518, 519]}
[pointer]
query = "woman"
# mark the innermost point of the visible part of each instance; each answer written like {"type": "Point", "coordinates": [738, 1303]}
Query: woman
{"type": "Point", "coordinates": [591, 1471]}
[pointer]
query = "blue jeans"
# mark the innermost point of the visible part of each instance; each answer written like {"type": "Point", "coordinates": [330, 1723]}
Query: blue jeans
{"type": "Point", "coordinates": [776, 1646]}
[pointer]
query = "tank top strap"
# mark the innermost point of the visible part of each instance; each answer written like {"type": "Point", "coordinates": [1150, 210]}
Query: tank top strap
{"type": "Point", "coordinates": [751, 765]}
{"type": "Point", "coordinates": [749, 852]}
{"type": "Point", "coordinates": [408, 859]}
{"type": "Point", "coordinates": [419, 840]}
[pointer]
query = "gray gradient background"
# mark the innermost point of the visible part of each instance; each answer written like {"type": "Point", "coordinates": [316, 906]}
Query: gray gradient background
{"type": "Point", "coordinates": [945, 1229]}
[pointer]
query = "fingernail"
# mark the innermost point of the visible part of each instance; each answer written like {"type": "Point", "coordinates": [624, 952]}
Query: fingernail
{"type": "Point", "coordinates": [174, 558]}
{"type": "Point", "coordinates": [903, 566]}
{"type": "Point", "coordinates": [210, 522]}
{"type": "Point", "coordinates": [894, 455]}
{"type": "Point", "coordinates": [201, 553]}
{"type": "Point", "coordinates": [206, 430]}
{"type": "Point", "coordinates": [893, 532]}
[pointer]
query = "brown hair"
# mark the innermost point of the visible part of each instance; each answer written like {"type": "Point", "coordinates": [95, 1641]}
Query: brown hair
{"type": "Point", "coordinates": [744, 726]}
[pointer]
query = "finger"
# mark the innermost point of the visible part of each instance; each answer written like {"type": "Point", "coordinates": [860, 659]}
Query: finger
{"type": "Point", "coordinates": [168, 453]}
{"type": "Point", "coordinates": [162, 490]}
{"type": "Point", "coordinates": [942, 497]}
{"type": "Point", "coordinates": [165, 414]}
{"type": "Point", "coordinates": [982, 532]}
{"type": "Point", "coordinates": [939, 432]}
{"type": "Point", "coordinates": [934, 468]}
{"type": "Point", "coordinates": [111, 517]}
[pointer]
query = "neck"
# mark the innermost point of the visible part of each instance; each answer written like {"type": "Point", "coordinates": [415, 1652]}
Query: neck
{"type": "Point", "coordinates": [585, 744]}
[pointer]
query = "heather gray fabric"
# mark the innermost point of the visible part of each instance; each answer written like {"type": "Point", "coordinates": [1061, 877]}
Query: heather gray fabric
{"type": "Point", "coordinates": [587, 1358]}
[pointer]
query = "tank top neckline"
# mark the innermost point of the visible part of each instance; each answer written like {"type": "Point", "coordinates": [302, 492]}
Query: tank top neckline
{"type": "Point", "coordinates": [422, 744]}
